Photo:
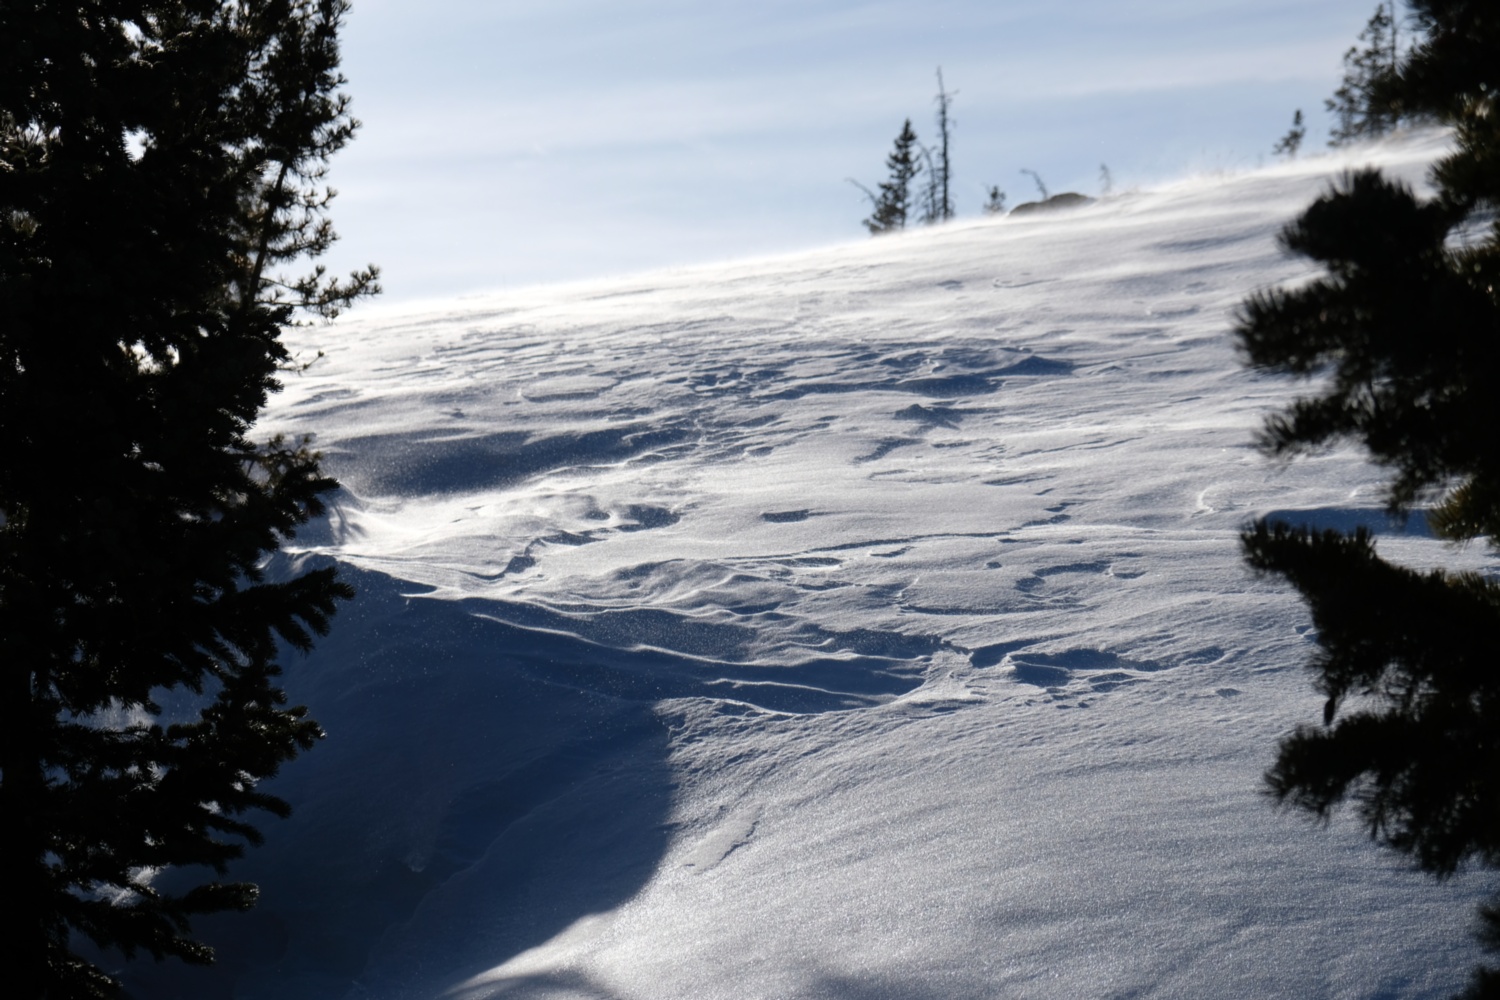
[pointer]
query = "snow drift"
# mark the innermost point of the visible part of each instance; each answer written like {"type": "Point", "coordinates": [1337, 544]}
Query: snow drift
{"type": "Point", "coordinates": [865, 623]}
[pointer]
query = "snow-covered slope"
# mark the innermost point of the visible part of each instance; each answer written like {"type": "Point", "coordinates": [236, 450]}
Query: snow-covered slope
{"type": "Point", "coordinates": [865, 623]}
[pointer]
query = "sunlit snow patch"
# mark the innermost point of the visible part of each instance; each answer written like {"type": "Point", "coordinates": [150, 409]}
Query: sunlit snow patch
{"type": "Point", "coordinates": [866, 623]}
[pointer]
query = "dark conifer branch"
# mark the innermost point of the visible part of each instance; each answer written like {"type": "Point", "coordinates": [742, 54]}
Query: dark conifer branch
{"type": "Point", "coordinates": [1402, 334]}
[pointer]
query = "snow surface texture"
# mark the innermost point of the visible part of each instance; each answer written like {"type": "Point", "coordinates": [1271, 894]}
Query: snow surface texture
{"type": "Point", "coordinates": [865, 624]}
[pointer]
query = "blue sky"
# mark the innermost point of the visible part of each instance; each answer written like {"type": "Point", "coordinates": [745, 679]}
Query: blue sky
{"type": "Point", "coordinates": [510, 143]}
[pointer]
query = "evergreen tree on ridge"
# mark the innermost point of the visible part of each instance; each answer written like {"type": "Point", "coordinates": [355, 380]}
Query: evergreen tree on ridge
{"type": "Point", "coordinates": [893, 203]}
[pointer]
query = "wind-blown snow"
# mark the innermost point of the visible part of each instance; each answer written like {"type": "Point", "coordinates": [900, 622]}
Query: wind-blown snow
{"type": "Point", "coordinates": [866, 623]}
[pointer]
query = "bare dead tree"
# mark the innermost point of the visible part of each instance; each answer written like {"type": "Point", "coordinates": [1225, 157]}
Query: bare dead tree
{"type": "Point", "coordinates": [1038, 179]}
{"type": "Point", "coordinates": [932, 190]}
{"type": "Point", "coordinates": [944, 173]}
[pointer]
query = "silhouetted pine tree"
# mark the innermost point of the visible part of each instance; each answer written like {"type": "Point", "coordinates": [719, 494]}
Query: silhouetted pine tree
{"type": "Point", "coordinates": [1292, 141]}
{"type": "Point", "coordinates": [1361, 107]}
{"type": "Point", "coordinates": [893, 203]}
{"type": "Point", "coordinates": [995, 203]}
{"type": "Point", "coordinates": [1403, 334]}
{"type": "Point", "coordinates": [160, 164]}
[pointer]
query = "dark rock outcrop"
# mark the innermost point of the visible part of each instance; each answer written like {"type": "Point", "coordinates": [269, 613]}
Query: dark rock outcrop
{"type": "Point", "coordinates": [1068, 199]}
